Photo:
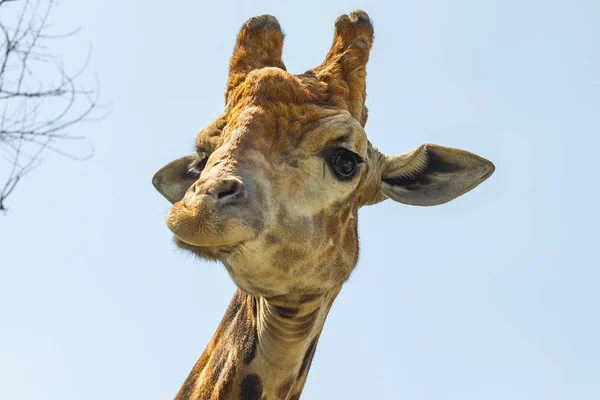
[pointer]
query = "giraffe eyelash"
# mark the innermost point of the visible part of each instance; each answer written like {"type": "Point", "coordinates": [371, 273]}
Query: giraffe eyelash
{"type": "Point", "coordinates": [196, 167]}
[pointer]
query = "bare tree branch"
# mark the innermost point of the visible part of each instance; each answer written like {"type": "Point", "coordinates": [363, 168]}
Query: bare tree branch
{"type": "Point", "coordinates": [39, 100]}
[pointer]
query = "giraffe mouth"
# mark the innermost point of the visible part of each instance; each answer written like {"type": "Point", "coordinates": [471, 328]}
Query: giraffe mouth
{"type": "Point", "coordinates": [213, 252]}
{"type": "Point", "coordinates": [210, 227]}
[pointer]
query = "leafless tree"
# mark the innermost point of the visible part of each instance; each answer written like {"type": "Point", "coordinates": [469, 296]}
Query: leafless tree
{"type": "Point", "coordinates": [39, 100]}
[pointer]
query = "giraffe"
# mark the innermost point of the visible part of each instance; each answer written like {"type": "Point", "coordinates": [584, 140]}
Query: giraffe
{"type": "Point", "coordinates": [273, 191]}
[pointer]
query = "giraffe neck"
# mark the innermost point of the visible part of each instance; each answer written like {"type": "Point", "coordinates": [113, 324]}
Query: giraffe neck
{"type": "Point", "coordinates": [262, 348]}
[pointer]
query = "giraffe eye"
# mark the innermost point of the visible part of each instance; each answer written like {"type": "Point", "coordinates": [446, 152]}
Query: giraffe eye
{"type": "Point", "coordinates": [196, 167]}
{"type": "Point", "coordinates": [344, 163]}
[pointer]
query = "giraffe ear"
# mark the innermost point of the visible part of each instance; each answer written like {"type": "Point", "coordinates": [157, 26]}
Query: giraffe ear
{"type": "Point", "coordinates": [432, 174]}
{"type": "Point", "coordinates": [175, 178]}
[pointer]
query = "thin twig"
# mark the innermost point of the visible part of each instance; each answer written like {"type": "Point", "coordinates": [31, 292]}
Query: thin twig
{"type": "Point", "coordinates": [41, 100]}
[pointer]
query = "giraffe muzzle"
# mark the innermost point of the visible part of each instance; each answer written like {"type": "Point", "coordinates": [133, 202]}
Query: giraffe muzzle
{"type": "Point", "coordinates": [215, 213]}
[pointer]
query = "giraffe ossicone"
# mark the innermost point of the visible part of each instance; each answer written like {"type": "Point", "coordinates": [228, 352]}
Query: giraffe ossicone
{"type": "Point", "coordinates": [273, 192]}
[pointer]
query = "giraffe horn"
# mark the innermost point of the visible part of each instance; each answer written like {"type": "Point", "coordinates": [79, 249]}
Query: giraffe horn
{"type": "Point", "coordinates": [344, 67]}
{"type": "Point", "coordinates": [259, 44]}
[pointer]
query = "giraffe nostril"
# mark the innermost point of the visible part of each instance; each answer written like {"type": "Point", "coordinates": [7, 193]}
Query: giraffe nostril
{"type": "Point", "coordinates": [230, 188]}
{"type": "Point", "coordinates": [228, 192]}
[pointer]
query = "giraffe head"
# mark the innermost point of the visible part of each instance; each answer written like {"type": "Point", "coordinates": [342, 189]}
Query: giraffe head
{"type": "Point", "coordinates": [276, 181]}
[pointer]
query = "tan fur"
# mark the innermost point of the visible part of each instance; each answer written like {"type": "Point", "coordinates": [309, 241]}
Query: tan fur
{"type": "Point", "coordinates": [270, 205]}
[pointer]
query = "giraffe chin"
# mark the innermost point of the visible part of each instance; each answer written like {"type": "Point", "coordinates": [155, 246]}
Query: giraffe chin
{"type": "Point", "coordinates": [207, 252]}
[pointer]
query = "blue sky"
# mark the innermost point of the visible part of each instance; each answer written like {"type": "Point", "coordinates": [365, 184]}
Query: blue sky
{"type": "Point", "coordinates": [492, 296]}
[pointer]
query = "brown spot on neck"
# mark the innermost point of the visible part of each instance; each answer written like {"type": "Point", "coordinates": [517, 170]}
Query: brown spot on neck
{"type": "Point", "coordinates": [308, 356]}
{"type": "Point", "coordinates": [251, 388]}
